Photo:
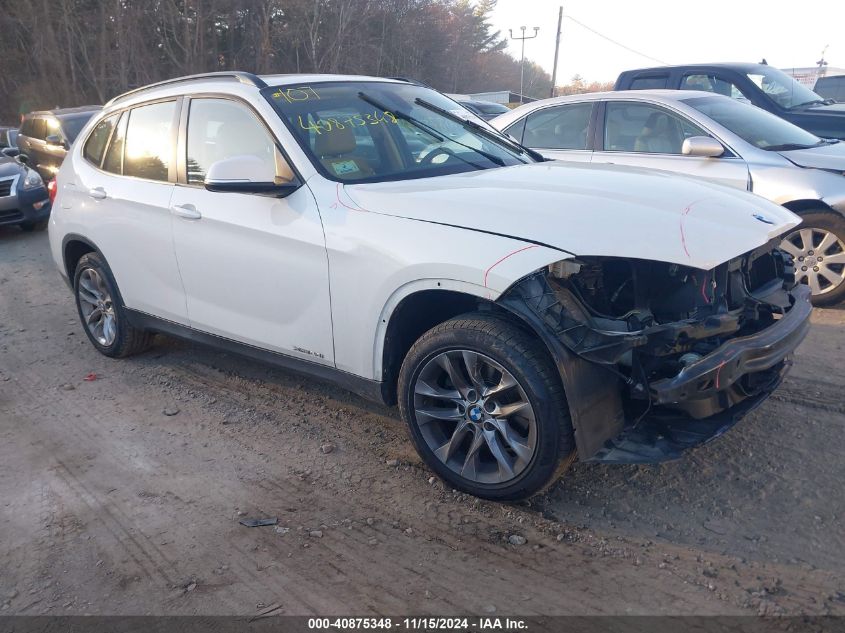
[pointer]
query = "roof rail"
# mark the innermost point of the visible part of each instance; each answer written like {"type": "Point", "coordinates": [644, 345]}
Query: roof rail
{"type": "Point", "coordinates": [243, 77]}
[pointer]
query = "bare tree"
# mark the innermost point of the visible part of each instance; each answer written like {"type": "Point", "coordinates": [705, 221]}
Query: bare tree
{"type": "Point", "coordinates": [71, 52]}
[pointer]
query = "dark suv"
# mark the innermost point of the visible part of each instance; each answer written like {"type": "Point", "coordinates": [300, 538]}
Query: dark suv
{"type": "Point", "coordinates": [762, 85]}
{"type": "Point", "coordinates": [46, 136]}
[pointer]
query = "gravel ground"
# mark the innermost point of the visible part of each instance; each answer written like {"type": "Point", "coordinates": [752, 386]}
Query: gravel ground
{"type": "Point", "coordinates": [122, 484]}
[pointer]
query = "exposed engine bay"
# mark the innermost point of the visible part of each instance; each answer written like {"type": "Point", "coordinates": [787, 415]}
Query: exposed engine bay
{"type": "Point", "coordinates": [674, 343]}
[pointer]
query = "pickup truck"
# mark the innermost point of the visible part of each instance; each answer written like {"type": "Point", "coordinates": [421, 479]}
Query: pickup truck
{"type": "Point", "coordinates": [759, 84]}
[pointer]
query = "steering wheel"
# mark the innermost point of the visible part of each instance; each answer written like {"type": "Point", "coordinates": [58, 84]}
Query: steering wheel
{"type": "Point", "coordinates": [428, 159]}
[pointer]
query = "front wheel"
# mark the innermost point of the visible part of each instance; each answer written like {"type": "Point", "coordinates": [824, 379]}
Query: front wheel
{"type": "Point", "coordinates": [818, 251]}
{"type": "Point", "coordinates": [485, 407]}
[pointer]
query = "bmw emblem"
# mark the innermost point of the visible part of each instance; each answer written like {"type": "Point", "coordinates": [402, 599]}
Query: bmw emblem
{"type": "Point", "coordinates": [475, 414]}
{"type": "Point", "coordinates": [763, 218]}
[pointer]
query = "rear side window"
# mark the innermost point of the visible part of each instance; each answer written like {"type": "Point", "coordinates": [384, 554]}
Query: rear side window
{"type": "Point", "coordinates": [150, 143]}
{"type": "Point", "coordinates": [650, 82]}
{"type": "Point", "coordinates": [113, 162]}
{"type": "Point", "coordinates": [712, 83]}
{"type": "Point", "coordinates": [219, 129]}
{"type": "Point", "coordinates": [54, 128]}
{"type": "Point", "coordinates": [558, 127]}
{"type": "Point", "coordinates": [646, 129]}
{"type": "Point", "coordinates": [95, 146]}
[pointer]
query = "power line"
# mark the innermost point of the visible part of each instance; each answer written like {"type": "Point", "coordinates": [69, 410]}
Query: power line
{"type": "Point", "coordinates": [613, 41]}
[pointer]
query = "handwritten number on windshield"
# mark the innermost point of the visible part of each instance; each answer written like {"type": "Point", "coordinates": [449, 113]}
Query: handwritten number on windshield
{"type": "Point", "coordinates": [293, 95]}
{"type": "Point", "coordinates": [330, 124]}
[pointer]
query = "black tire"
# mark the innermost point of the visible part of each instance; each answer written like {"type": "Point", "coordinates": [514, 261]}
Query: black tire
{"type": "Point", "coordinates": [529, 363]}
{"type": "Point", "coordinates": [835, 224]}
{"type": "Point", "coordinates": [33, 226]}
{"type": "Point", "coordinates": [128, 340]}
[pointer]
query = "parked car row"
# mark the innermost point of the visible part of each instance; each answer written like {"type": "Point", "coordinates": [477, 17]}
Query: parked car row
{"type": "Point", "coordinates": [31, 156]}
{"type": "Point", "coordinates": [46, 136]}
{"type": "Point", "coordinates": [708, 136]}
{"type": "Point", "coordinates": [518, 310]}
{"type": "Point", "coordinates": [758, 84]}
{"type": "Point", "coordinates": [24, 200]}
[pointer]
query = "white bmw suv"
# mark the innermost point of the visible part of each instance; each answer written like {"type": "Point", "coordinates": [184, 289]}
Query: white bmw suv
{"type": "Point", "coordinates": [371, 232]}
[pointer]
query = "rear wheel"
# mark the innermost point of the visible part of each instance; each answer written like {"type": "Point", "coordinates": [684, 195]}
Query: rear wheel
{"type": "Point", "coordinates": [485, 407]}
{"type": "Point", "coordinates": [818, 250]}
{"type": "Point", "coordinates": [102, 312]}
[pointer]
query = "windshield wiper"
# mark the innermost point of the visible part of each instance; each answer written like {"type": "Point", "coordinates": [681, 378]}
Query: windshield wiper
{"type": "Point", "coordinates": [785, 147]}
{"type": "Point", "coordinates": [401, 115]}
{"type": "Point", "coordinates": [431, 132]}
{"type": "Point", "coordinates": [806, 103]}
{"type": "Point", "coordinates": [480, 129]}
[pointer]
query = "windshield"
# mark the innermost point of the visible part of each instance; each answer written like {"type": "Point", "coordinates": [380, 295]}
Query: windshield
{"type": "Point", "coordinates": [72, 125]}
{"type": "Point", "coordinates": [378, 131]}
{"type": "Point", "coordinates": [783, 89]}
{"type": "Point", "coordinates": [760, 128]}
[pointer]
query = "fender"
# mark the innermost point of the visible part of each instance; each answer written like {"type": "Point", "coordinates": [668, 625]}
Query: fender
{"type": "Point", "coordinates": [405, 291]}
{"type": "Point", "coordinates": [66, 273]}
{"type": "Point", "coordinates": [593, 392]}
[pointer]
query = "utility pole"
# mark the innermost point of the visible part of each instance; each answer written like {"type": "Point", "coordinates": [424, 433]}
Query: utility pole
{"type": "Point", "coordinates": [557, 49]}
{"type": "Point", "coordinates": [522, 58]}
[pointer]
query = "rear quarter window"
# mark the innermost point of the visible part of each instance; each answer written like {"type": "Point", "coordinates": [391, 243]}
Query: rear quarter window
{"type": "Point", "coordinates": [650, 82]}
{"type": "Point", "coordinates": [95, 144]}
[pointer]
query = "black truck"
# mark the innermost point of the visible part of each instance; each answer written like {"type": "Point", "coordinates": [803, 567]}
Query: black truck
{"type": "Point", "coordinates": [759, 84]}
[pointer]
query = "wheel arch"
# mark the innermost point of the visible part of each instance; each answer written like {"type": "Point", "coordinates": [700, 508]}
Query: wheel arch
{"type": "Point", "coordinates": [804, 205]}
{"type": "Point", "coordinates": [74, 247]}
{"type": "Point", "coordinates": [412, 311]}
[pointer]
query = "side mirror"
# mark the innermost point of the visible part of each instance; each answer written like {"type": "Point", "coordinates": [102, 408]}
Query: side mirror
{"type": "Point", "coordinates": [250, 174]}
{"type": "Point", "coordinates": [10, 152]}
{"type": "Point", "coordinates": [703, 146]}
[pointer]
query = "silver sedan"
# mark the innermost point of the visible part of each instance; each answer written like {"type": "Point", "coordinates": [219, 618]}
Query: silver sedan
{"type": "Point", "coordinates": [714, 137]}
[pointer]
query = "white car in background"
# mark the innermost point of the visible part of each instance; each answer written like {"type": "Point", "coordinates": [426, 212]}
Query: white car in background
{"type": "Point", "coordinates": [714, 137]}
{"type": "Point", "coordinates": [358, 230]}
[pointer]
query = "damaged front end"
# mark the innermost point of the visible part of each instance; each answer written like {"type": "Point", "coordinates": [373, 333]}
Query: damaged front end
{"type": "Point", "coordinates": [657, 357]}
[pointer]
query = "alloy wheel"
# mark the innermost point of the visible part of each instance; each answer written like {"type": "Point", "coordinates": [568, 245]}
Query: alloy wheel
{"type": "Point", "coordinates": [97, 307]}
{"type": "Point", "coordinates": [474, 416]}
{"type": "Point", "coordinates": [819, 258]}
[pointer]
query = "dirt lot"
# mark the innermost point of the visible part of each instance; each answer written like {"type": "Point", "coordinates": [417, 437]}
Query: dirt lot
{"type": "Point", "coordinates": [110, 506]}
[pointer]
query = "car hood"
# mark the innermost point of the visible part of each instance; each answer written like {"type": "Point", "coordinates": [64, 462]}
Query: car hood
{"type": "Point", "coordinates": [824, 157]}
{"type": "Point", "coordinates": [590, 210]}
{"type": "Point", "coordinates": [9, 167]}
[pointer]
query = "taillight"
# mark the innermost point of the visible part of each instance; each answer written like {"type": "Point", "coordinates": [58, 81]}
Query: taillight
{"type": "Point", "coordinates": [51, 190]}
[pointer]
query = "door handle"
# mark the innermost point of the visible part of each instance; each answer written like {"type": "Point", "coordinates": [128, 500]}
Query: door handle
{"type": "Point", "coordinates": [98, 193]}
{"type": "Point", "coordinates": [187, 211]}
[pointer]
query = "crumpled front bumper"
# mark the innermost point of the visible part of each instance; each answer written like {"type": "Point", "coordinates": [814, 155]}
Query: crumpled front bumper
{"type": "Point", "coordinates": [716, 385]}
{"type": "Point", "coordinates": [738, 357]}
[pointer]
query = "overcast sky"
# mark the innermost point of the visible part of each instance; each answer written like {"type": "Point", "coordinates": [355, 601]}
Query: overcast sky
{"type": "Point", "coordinates": [787, 34]}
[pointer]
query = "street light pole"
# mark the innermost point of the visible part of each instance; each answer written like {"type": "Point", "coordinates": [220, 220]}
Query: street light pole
{"type": "Point", "coordinates": [557, 50]}
{"type": "Point", "coordinates": [523, 37]}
